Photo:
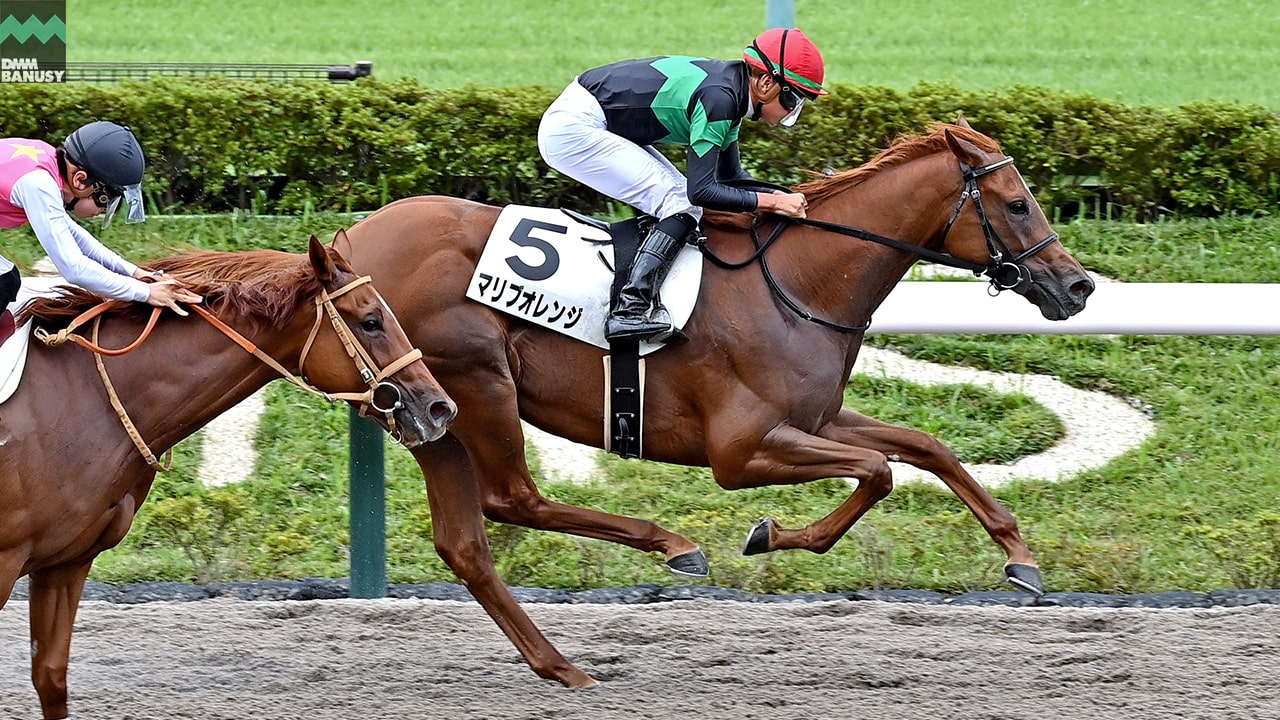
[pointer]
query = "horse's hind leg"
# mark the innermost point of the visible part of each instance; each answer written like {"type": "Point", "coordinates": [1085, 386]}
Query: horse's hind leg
{"type": "Point", "coordinates": [461, 541]}
{"type": "Point", "coordinates": [926, 452]}
{"type": "Point", "coordinates": [55, 598]}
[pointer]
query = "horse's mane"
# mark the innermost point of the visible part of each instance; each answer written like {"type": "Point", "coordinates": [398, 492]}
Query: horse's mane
{"type": "Point", "coordinates": [264, 286]}
{"type": "Point", "coordinates": [903, 149]}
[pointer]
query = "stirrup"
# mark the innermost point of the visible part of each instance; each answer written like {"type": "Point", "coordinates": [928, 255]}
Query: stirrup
{"type": "Point", "coordinates": [645, 331]}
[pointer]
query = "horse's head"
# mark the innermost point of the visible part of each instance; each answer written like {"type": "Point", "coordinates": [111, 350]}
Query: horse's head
{"type": "Point", "coordinates": [406, 397]}
{"type": "Point", "coordinates": [1007, 231]}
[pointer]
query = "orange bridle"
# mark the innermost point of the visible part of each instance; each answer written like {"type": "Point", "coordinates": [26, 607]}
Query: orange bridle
{"type": "Point", "coordinates": [374, 378]}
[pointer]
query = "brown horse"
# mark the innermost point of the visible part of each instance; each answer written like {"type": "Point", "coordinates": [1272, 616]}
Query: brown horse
{"type": "Point", "coordinates": [73, 477]}
{"type": "Point", "coordinates": [755, 394]}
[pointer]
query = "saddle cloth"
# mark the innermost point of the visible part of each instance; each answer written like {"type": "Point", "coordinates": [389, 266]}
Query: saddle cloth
{"type": "Point", "coordinates": [547, 268]}
{"type": "Point", "coordinates": [13, 350]}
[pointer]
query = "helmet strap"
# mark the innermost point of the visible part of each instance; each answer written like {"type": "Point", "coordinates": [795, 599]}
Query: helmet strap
{"type": "Point", "coordinates": [777, 71]}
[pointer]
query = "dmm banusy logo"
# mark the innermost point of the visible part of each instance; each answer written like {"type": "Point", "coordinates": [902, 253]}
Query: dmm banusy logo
{"type": "Point", "coordinates": [33, 41]}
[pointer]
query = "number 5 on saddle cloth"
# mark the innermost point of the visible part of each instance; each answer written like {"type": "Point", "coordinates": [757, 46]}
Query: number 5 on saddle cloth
{"type": "Point", "coordinates": [556, 269]}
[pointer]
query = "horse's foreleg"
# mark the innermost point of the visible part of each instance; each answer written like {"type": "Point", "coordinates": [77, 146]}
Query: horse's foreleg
{"type": "Point", "coordinates": [927, 453]}
{"type": "Point", "coordinates": [10, 567]}
{"type": "Point", "coordinates": [461, 542]}
{"type": "Point", "coordinates": [55, 598]}
{"type": "Point", "coordinates": [494, 440]}
{"type": "Point", "coordinates": [787, 456]}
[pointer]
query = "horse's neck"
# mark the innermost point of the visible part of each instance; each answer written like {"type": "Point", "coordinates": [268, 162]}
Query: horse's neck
{"type": "Point", "coordinates": [181, 378]}
{"type": "Point", "coordinates": [844, 278]}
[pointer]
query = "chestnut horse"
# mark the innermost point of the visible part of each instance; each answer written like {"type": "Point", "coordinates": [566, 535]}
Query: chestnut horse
{"type": "Point", "coordinates": [73, 476]}
{"type": "Point", "coordinates": [755, 394]}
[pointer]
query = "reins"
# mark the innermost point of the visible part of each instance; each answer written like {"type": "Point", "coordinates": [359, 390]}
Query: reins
{"type": "Point", "coordinates": [374, 378]}
{"type": "Point", "coordinates": [1006, 270]}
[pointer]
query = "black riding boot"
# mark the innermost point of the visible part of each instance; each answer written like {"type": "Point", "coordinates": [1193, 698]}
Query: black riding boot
{"type": "Point", "coordinates": [631, 318]}
{"type": "Point", "coordinates": [10, 282]}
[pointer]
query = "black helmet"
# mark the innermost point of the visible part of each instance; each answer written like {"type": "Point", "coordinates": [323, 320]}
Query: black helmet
{"type": "Point", "coordinates": [108, 152]}
{"type": "Point", "coordinates": [112, 157]}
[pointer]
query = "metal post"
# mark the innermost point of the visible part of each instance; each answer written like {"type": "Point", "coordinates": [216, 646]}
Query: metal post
{"type": "Point", "coordinates": [368, 509]}
{"type": "Point", "coordinates": [779, 14]}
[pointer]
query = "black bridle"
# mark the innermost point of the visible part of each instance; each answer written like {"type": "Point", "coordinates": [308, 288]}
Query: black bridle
{"type": "Point", "coordinates": [1006, 271]}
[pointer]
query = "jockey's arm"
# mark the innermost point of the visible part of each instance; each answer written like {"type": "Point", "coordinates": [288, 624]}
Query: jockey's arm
{"type": "Point", "coordinates": [79, 257]}
{"type": "Point", "coordinates": [706, 180]}
{"type": "Point", "coordinates": [707, 189]}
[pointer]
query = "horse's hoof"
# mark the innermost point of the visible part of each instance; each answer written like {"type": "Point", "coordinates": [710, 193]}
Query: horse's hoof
{"type": "Point", "coordinates": [758, 539]}
{"type": "Point", "coordinates": [693, 563]}
{"type": "Point", "coordinates": [1025, 577]}
{"type": "Point", "coordinates": [579, 680]}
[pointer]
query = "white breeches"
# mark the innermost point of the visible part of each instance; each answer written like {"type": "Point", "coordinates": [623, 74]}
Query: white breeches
{"type": "Point", "coordinates": [573, 139]}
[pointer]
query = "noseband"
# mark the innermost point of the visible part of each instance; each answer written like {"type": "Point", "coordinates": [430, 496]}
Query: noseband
{"type": "Point", "coordinates": [1006, 271]}
{"type": "Point", "coordinates": [374, 378]}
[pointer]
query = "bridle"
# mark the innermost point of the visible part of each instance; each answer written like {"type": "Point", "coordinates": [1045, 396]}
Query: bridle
{"type": "Point", "coordinates": [374, 378]}
{"type": "Point", "coordinates": [1006, 271]}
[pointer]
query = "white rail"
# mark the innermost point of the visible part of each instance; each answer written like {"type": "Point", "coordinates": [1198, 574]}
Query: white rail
{"type": "Point", "coordinates": [954, 307]}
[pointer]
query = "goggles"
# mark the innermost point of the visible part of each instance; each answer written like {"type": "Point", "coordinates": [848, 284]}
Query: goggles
{"type": "Point", "coordinates": [793, 102]}
{"type": "Point", "coordinates": [108, 197]}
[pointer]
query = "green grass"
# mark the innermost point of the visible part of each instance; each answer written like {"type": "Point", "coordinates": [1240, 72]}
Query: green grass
{"type": "Point", "coordinates": [1188, 510]}
{"type": "Point", "coordinates": [290, 519]}
{"type": "Point", "coordinates": [1191, 509]}
{"type": "Point", "coordinates": [1162, 54]}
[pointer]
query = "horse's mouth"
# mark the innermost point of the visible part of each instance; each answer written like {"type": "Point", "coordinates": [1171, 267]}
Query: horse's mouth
{"type": "Point", "coordinates": [410, 443]}
{"type": "Point", "coordinates": [1057, 301]}
{"type": "Point", "coordinates": [428, 426]}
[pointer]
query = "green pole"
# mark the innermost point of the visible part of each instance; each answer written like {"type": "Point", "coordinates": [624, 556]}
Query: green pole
{"type": "Point", "coordinates": [779, 14]}
{"type": "Point", "coordinates": [368, 509]}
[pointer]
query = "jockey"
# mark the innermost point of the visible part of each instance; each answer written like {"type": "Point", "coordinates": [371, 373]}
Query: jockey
{"type": "Point", "coordinates": [99, 166]}
{"type": "Point", "coordinates": [601, 130]}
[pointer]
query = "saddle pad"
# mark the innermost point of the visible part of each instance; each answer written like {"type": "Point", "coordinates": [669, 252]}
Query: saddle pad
{"type": "Point", "coordinates": [13, 352]}
{"type": "Point", "coordinates": [542, 266]}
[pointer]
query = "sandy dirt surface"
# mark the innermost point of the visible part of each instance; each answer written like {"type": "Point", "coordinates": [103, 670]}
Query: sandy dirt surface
{"type": "Point", "coordinates": [344, 659]}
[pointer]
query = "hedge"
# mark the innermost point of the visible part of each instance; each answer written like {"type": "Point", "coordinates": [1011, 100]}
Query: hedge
{"type": "Point", "coordinates": [216, 144]}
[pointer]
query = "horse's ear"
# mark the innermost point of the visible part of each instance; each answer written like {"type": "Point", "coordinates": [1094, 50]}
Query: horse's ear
{"type": "Point", "coordinates": [320, 260]}
{"type": "Point", "coordinates": [341, 243]}
{"type": "Point", "coordinates": [965, 150]}
{"type": "Point", "coordinates": [962, 122]}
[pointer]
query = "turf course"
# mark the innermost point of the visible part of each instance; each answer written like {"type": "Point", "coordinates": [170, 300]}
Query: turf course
{"type": "Point", "coordinates": [1135, 51]}
{"type": "Point", "coordinates": [1193, 509]}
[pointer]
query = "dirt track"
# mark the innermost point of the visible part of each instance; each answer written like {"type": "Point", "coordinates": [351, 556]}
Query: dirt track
{"type": "Point", "coordinates": [345, 659]}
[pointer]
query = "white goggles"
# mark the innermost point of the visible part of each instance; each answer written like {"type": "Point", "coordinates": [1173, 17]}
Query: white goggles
{"type": "Point", "coordinates": [133, 198]}
{"type": "Point", "coordinates": [791, 117]}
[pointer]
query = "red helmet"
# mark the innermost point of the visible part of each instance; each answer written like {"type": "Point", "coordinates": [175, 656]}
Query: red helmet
{"type": "Point", "coordinates": [788, 55]}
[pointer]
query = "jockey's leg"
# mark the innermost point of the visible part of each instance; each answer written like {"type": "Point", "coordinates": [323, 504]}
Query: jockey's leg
{"type": "Point", "coordinates": [630, 316]}
{"type": "Point", "coordinates": [574, 140]}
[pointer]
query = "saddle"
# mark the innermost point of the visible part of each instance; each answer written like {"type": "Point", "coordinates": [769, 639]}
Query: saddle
{"type": "Point", "coordinates": [13, 340]}
{"type": "Point", "coordinates": [554, 268]}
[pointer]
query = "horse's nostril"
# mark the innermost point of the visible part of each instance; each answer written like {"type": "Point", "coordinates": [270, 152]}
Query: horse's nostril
{"type": "Point", "coordinates": [1082, 288]}
{"type": "Point", "coordinates": [442, 412]}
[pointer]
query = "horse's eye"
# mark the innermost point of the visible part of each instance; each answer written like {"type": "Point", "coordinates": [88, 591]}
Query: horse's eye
{"type": "Point", "coordinates": [1019, 207]}
{"type": "Point", "coordinates": [371, 325]}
